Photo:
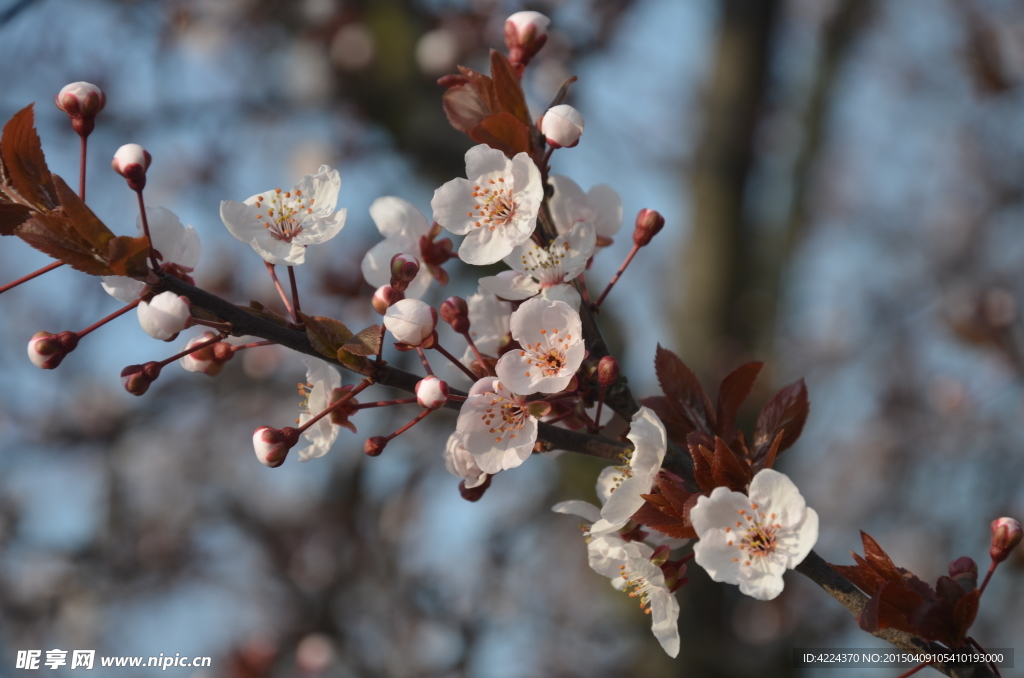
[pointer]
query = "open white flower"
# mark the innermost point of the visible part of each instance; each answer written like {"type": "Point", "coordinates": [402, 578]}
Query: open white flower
{"type": "Point", "coordinates": [177, 244]}
{"type": "Point", "coordinates": [551, 337]}
{"type": "Point", "coordinates": [461, 464]}
{"type": "Point", "coordinates": [752, 539]}
{"type": "Point", "coordinates": [628, 565]}
{"type": "Point", "coordinates": [546, 270]}
{"type": "Point", "coordinates": [495, 208]}
{"type": "Point", "coordinates": [636, 477]}
{"type": "Point", "coordinates": [321, 380]}
{"type": "Point", "coordinates": [280, 224]}
{"type": "Point", "coordinates": [601, 206]}
{"type": "Point", "coordinates": [402, 226]}
{"type": "Point", "coordinates": [496, 426]}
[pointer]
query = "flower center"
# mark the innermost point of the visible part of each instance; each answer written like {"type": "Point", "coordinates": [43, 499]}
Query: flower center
{"type": "Point", "coordinates": [545, 264]}
{"type": "Point", "coordinates": [285, 213]}
{"type": "Point", "coordinates": [548, 355]}
{"type": "Point", "coordinates": [637, 586]}
{"type": "Point", "coordinates": [504, 417]}
{"type": "Point", "coordinates": [757, 534]}
{"type": "Point", "coordinates": [495, 205]}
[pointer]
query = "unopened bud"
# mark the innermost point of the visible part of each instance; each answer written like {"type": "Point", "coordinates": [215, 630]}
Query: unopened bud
{"type": "Point", "coordinates": [1006, 534]}
{"type": "Point", "coordinates": [964, 571]}
{"type": "Point", "coordinates": [82, 101]}
{"type": "Point", "coordinates": [607, 371]}
{"type": "Point", "coordinates": [474, 493]}
{"type": "Point", "coordinates": [46, 350]}
{"type": "Point", "coordinates": [431, 392]}
{"type": "Point", "coordinates": [404, 269]}
{"type": "Point", "coordinates": [137, 378]}
{"type": "Point", "coordinates": [525, 34]}
{"type": "Point", "coordinates": [209, 359]}
{"type": "Point", "coordinates": [648, 224]}
{"type": "Point", "coordinates": [131, 161]}
{"type": "Point", "coordinates": [455, 312]}
{"type": "Point", "coordinates": [375, 445]}
{"type": "Point", "coordinates": [272, 445]}
{"type": "Point", "coordinates": [165, 315]}
{"type": "Point", "coordinates": [411, 321]}
{"type": "Point", "coordinates": [384, 297]}
{"type": "Point", "coordinates": [562, 126]}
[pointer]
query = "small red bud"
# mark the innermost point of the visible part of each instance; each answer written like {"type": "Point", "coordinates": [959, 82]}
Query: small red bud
{"type": "Point", "coordinates": [131, 161]}
{"type": "Point", "coordinates": [455, 312]}
{"type": "Point", "coordinates": [648, 224]}
{"type": "Point", "coordinates": [137, 378]}
{"type": "Point", "coordinates": [404, 269]}
{"type": "Point", "coordinates": [964, 572]}
{"type": "Point", "coordinates": [607, 371]}
{"type": "Point", "coordinates": [474, 493]}
{"type": "Point", "coordinates": [1006, 534]}
{"type": "Point", "coordinates": [525, 34]}
{"type": "Point", "coordinates": [46, 350]}
{"type": "Point", "coordinates": [384, 297]}
{"type": "Point", "coordinates": [222, 351]}
{"type": "Point", "coordinates": [82, 101]}
{"type": "Point", "coordinates": [272, 445]}
{"type": "Point", "coordinates": [375, 445]}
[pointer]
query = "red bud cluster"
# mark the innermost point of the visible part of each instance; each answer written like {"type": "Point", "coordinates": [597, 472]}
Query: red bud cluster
{"type": "Point", "coordinates": [137, 378]}
{"type": "Point", "coordinates": [455, 312]}
{"type": "Point", "coordinates": [46, 350]}
{"type": "Point", "coordinates": [648, 224]}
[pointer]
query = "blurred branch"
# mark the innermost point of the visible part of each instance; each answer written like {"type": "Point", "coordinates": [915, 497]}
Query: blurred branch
{"type": "Point", "coordinates": [14, 10]}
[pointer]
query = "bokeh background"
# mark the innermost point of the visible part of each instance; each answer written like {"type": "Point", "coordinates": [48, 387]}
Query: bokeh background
{"type": "Point", "coordinates": [842, 185]}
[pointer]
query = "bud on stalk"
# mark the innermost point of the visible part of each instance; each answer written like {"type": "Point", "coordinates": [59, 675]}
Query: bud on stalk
{"type": "Point", "coordinates": [1006, 534]}
{"type": "Point", "coordinates": [648, 224]}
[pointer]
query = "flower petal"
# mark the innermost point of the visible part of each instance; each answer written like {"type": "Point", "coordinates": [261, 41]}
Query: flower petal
{"type": "Point", "coordinates": [583, 509]}
{"type": "Point", "coordinates": [483, 159]}
{"type": "Point", "coordinates": [775, 493]}
{"type": "Point", "coordinates": [454, 205]}
{"type": "Point", "coordinates": [511, 285]}
{"type": "Point", "coordinates": [395, 216]}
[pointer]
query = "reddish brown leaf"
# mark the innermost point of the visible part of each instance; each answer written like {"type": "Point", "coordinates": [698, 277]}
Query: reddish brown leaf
{"type": "Point", "coordinates": [326, 335]}
{"type": "Point", "coordinates": [673, 490]}
{"type": "Point", "coordinates": [701, 447]}
{"type": "Point", "coordinates": [857, 577]}
{"type": "Point", "coordinates": [880, 560]}
{"type": "Point", "coordinates": [26, 174]}
{"type": "Point", "coordinates": [887, 614]}
{"type": "Point", "coordinates": [675, 428]}
{"type": "Point", "coordinates": [948, 589]}
{"type": "Point", "coordinates": [786, 411]}
{"type": "Point", "coordinates": [683, 392]}
{"type": "Point", "coordinates": [873, 578]}
{"type": "Point", "coordinates": [508, 92]}
{"type": "Point", "coordinates": [128, 256]}
{"type": "Point", "coordinates": [728, 470]}
{"type": "Point", "coordinates": [769, 457]}
{"type": "Point", "coordinates": [868, 619]}
{"type": "Point", "coordinates": [651, 516]}
{"type": "Point", "coordinates": [366, 342]}
{"type": "Point", "coordinates": [964, 613]}
{"type": "Point", "coordinates": [464, 107]}
{"type": "Point", "coordinates": [503, 132]}
{"type": "Point", "coordinates": [12, 215]}
{"type": "Point", "coordinates": [731, 393]}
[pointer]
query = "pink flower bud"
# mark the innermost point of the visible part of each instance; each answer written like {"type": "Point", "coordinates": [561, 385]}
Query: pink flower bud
{"type": "Point", "coordinates": [404, 268]}
{"type": "Point", "coordinates": [137, 378]}
{"type": "Point", "coordinates": [46, 350]}
{"type": "Point", "coordinates": [648, 224]}
{"type": "Point", "coordinates": [210, 359]}
{"type": "Point", "coordinates": [272, 445]}
{"type": "Point", "coordinates": [607, 371]}
{"type": "Point", "coordinates": [384, 297]}
{"type": "Point", "coordinates": [474, 493]}
{"type": "Point", "coordinates": [131, 161]}
{"type": "Point", "coordinates": [562, 126]}
{"type": "Point", "coordinates": [455, 312]}
{"type": "Point", "coordinates": [82, 101]}
{"type": "Point", "coordinates": [165, 316]}
{"type": "Point", "coordinates": [411, 321]}
{"type": "Point", "coordinates": [525, 34]}
{"type": "Point", "coordinates": [1006, 534]}
{"type": "Point", "coordinates": [431, 392]}
{"type": "Point", "coordinates": [964, 572]}
{"type": "Point", "coordinates": [375, 445]}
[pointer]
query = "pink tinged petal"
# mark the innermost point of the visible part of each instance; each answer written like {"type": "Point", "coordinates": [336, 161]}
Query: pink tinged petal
{"type": "Point", "coordinates": [647, 434]}
{"type": "Point", "coordinates": [568, 204]}
{"type": "Point", "coordinates": [719, 559]}
{"type": "Point", "coordinates": [397, 217]}
{"type": "Point", "coordinates": [581, 241]}
{"type": "Point", "coordinates": [583, 509]}
{"type": "Point", "coordinates": [123, 289]}
{"type": "Point", "coordinates": [455, 207]}
{"type": "Point", "coordinates": [605, 208]}
{"type": "Point", "coordinates": [665, 620]}
{"type": "Point", "coordinates": [322, 229]}
{"type": "Point", "coordinates": [240, 220]}
{"type": "Point", "coordinates": [762, 579]}
{"type": "Point", "coordinates": [567, 294]}
{"type": "Point", "coordinates": [775, 493]}
{"type": "Point", "coordinates": [801, 539]}
{"type": "Point", "coordinates": [719, 511]}
{"type": "Point", "coordinates": [511, 285]}
{"type": "Point", "coordinates": [323, 187]}
{"type": "Point", "coordinates": [483, 159]}
{"type": "Point", "coordinates": [483, 246]}
{"type": "Point", "coordinates": [278, 252]}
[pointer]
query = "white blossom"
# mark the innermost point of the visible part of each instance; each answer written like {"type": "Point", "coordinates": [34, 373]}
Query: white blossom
{"type": "Point", "coordinates": [495, 208]}
{"type": "Point", "coordinates": [280, 224]}
{"type": "Point", "coordinates": [752, 539]}
{"type": "Point", "coordinates": [496, 427]}
{"type": "Point", "coordinates": [321, 380]}
{"type": "Point", "coordinates": [546, 270]}
{"type": "Point", "coordinates": [601, 206]}
{"type": "Point", "coordinates": [177, 244]}
{"type": "Point", "coordinates": [402, 226]}
{"type": "Point", "coordinates": [461, 464]}
{"type": "Point", "coordinates": [551, 337]}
